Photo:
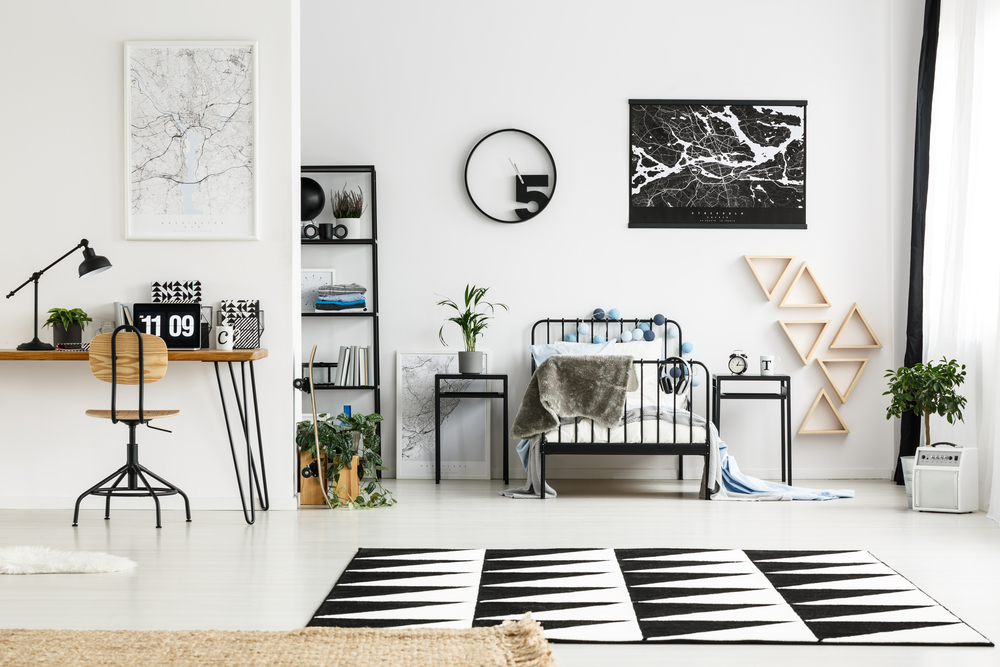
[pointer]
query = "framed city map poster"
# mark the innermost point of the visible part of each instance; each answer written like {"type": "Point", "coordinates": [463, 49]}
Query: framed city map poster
{"type": "Point", "coordinates": [717, 164]}
{"type": "Point", "coordinates": [465, 424]}
{"type": "Point", "coordinates": [191, 140]}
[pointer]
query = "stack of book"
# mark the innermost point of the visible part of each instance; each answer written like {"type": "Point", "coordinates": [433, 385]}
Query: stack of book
{"type": "Point", "coordinates": [354, 367]}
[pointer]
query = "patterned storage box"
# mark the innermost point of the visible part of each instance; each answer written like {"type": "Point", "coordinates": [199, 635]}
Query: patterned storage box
{"type": "Point", "coordinates": [245, 317]}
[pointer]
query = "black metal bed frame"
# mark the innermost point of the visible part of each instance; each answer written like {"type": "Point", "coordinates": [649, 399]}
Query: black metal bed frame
{"type": "Point", "coordinates": [673, 375]}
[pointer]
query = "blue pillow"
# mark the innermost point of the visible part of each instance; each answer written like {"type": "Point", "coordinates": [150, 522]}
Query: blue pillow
{"type": "Point", "coordinates": [542, 352]}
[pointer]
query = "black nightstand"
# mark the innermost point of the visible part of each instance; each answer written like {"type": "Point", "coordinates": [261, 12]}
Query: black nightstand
{"type": "Point", "coordinates": [784, 394]}
{"type": "Point", "coordinates": [438, 395]}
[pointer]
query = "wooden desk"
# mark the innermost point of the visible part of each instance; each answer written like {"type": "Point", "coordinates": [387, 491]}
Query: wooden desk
{"type": "Point", "coordinates": [242, 357]}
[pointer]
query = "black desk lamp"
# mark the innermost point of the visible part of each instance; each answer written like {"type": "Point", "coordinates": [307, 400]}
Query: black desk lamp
{"type": "Point", "coordinates": [92, 264]}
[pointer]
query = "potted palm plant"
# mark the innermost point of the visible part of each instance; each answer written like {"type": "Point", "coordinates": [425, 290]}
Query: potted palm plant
{"type": "Point", "coordinates": [348, 206]}
{"type": "Point", "coordinates": [926, 389]}
{"type": "Point", "coordinates": [350, 448]}
{"type": "Point", "coordinates": [473, 320]}
{"type": "Point", "coordinates": [67, 325]}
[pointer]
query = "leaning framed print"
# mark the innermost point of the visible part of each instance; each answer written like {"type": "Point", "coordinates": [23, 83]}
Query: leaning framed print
{"type": "Point", "coordinates": [706, 164]}
{"type": "Point", "coordinates": [191, 141]}
{"type": "Point", "coordinates": [465, 425]}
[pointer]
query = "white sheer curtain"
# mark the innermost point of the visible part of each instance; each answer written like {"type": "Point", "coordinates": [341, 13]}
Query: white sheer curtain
{"type": "Point", "coordinates": [962, 246]}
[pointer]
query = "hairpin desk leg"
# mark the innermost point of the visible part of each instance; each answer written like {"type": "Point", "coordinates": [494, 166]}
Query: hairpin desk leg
{"type": "Point", "coordinates": [243, 407]}
{"type": "Point", "coordinates": [251, 516]}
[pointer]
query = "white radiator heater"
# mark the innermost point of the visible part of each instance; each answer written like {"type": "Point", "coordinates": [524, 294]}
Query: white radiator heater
{"type": "Point", "coordinates": [946, 479]}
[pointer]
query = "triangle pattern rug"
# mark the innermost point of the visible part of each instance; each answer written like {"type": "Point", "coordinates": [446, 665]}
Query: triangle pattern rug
{"type": "Point", "coordinates": [646, 595]}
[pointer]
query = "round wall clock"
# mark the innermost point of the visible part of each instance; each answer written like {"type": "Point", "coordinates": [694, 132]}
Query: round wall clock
{"type": "Point", "coordinates": [510, 175]}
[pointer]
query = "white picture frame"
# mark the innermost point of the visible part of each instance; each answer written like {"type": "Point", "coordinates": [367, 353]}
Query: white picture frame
{"type": "Point", "coordinates": [203, 186]}
{"type": "Point", "coordinates": [464, 453]}
{"type": "Point", "coordinates": [312, 280]}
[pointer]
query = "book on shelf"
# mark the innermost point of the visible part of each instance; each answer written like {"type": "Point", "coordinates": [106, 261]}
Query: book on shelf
{"type": "Point", "coordinates": [354, 367]}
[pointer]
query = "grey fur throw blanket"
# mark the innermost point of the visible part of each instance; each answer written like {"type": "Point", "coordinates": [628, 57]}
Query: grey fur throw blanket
{"type": "Point", "coordinates": [591, 386]}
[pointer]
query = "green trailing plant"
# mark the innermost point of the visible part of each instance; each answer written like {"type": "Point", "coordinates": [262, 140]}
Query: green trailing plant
{"type": "Point", "coordinates": [337, 443]}
{"type": "Point", "coordinates": [926, 389]}
{"type": "Point", "coordinates": [347, 203]}
{"type": "Point", "coordinates": [67, 317]}
{"type": "Point", "coordinates": [472, 318]}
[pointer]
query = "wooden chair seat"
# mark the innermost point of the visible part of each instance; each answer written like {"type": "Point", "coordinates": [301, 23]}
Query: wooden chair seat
{"type": "Point", "coordinates": [132, 415]}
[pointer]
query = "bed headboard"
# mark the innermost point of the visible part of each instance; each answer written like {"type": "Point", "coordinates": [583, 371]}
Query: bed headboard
{"type": "Point", "coordinates": [555, 330]}
{"type": "Point", "coordinates": [673, 370]}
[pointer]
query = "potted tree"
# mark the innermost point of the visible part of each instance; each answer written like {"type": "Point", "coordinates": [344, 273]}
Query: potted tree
{"type": "Point", "coordinates": [926, 389]}
{"type": "Point", "coordinates": [473, 320]}
{"type": "Point", "coordinates": [351, 446]}
{"type": "Point", "coordinates": [348, 206]}
{"type": "Point", "coordinates": [67, 325]}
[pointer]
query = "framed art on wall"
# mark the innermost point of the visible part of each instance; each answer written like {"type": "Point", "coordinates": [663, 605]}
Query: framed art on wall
{"type": "Point", "coordinates": [717, 164]}
{"type": "Point", "coordinates": [191, 140]}
{"type": "Point", "coordinates": [465, 425]}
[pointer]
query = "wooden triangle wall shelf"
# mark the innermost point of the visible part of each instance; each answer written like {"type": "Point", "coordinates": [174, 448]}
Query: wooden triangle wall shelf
{"type": "Point", "coordinates": [812, 350]}
{"type": "Point", "coordinates": [874, 344]}
{"type": "Point", "coordinates": [843, 395]}
{"type": "Point", "coordinates": [823, 396]}
{"type": "Point", "coordinates": [802, 270]}
{"type": "Point", "coordinates": [769, 293]}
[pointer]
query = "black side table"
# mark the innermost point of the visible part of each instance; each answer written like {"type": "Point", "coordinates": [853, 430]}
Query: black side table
{"type": "Point", "coordinates": [784, 394]}
{"type": "Point", "coordinates": [438, 395]}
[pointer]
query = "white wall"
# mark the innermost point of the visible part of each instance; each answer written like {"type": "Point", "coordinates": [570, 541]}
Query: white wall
{"type": "Point", "coordinates": [410, 87]}
{"type": "Point", "coordinates": [62, 179]}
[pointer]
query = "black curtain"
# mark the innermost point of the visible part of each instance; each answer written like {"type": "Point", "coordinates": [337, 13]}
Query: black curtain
{"type": "Point", "coordinates": [909, 433]}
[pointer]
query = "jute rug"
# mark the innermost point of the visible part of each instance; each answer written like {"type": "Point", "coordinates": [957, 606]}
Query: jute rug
{"type": "Point", "coordinates": [513, 644]}
{"type": "Point", "coordinates": [646, 595]}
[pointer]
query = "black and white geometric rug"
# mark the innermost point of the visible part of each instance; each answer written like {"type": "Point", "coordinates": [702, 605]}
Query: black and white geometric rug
{"type": "Point", "coordinates": [646, 595]}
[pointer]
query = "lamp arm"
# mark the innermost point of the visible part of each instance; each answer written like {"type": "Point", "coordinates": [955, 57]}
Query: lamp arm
{"type": "Point", "coordinates": [38, 274]}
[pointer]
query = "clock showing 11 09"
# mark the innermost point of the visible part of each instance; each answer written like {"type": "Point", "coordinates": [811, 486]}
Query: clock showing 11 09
{"type": "Point", "coordinates": [510, 175]}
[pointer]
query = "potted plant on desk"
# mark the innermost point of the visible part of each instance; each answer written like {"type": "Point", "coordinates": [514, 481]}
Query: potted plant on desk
{"type": "Point", "coordinates": [473, 320]}
{"type": "Point", "coordinates": [353, 448]}
{"type": "Point", "coordinates": [67, 325]}
{"type": "Point", "coordinates": [926, 389]}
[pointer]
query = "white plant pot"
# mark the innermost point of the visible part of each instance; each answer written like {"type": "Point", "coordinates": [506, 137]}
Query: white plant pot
{"type": "Point", "coordinates": [353, 227]}
{"type": "Point", "coordinates": [908, 463]}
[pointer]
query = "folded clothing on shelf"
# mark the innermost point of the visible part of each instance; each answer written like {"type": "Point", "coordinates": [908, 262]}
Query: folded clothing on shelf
{"type": "Point", "coordinates": [336, 298]}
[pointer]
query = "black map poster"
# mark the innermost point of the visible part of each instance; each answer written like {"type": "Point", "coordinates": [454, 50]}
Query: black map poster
{"type": "Point", "coordinates": [717, 164]}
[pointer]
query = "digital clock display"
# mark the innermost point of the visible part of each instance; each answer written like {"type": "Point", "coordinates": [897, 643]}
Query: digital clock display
{"type": "Point", "coordinates": [176, 323]}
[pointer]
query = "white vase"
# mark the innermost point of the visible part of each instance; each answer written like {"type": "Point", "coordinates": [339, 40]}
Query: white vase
{"type": "Point", "coordinates": [353, 226]}
{"type": "Point", "coordinates": [908, 463]}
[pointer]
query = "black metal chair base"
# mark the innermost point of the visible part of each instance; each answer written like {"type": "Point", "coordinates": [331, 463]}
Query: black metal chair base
{"type": "Point", "coordinates": [135, 472]}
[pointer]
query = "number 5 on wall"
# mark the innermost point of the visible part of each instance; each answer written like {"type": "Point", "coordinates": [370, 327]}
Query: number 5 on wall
{"type": "Point", "coordinates": [523, 196]}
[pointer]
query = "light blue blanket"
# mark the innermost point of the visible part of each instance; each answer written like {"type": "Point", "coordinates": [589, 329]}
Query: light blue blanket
{"type": "Point", "coordinates": [735, 483]}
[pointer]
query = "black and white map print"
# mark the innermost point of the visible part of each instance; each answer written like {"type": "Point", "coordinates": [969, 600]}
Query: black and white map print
{"type": "Point", "coordinates": [191, 141]}
{"type": "Point", "coordinates": [465, 425]}
{"type": "Point", "coordinates": [646, 595]}
{"type": "Point", "coordinates": [717, 164]}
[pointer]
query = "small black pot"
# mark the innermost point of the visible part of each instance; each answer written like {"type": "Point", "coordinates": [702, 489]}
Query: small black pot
{"type": "Point", "coordinates": [62, 335]}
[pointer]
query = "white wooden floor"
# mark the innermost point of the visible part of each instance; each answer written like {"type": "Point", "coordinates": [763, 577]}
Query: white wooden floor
{"type": "Point", "coordinates": [217, 572]}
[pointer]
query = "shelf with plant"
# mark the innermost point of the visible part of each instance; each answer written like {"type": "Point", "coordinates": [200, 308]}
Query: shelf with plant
{"type": "Point", "coordinates": [340, 439]}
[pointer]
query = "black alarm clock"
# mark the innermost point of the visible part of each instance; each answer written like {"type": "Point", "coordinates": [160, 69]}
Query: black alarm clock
{"type": "Point", "coordinates": [178, 324]}
{"type": "Point", "coordinates": [737, 363]}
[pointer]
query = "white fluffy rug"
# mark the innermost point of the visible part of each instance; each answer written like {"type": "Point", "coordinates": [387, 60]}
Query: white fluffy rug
{"type": "Point", "coordinates": [42, 560]}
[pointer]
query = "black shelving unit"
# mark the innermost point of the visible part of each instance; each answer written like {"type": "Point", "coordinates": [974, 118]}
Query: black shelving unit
{"type": "Point", "coordinates": [373, 310]}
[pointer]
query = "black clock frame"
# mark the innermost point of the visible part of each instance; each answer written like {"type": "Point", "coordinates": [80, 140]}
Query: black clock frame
{"type": "Point", "coordinates": [521, 187]}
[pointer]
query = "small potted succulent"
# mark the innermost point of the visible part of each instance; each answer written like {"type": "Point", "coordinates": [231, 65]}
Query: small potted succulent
{"type": "Point", "coordinates": [926, 389]}
{"type": "Point", "coordinates": [67, 325]}
{"type": "Point", "coordinates": [473, 320]}
{"type": "Point", "coordinates": [348, 206]}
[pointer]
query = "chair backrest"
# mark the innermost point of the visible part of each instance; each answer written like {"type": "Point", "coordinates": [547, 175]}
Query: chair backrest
{"type": "Point", "coordinates": [154, 358]}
